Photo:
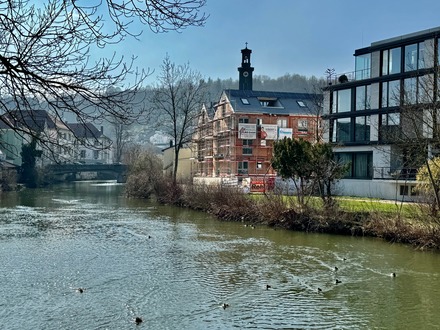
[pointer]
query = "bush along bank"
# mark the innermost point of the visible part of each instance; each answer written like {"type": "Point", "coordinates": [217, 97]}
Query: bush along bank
{"type": "Point", "coordinates": [231, 204]}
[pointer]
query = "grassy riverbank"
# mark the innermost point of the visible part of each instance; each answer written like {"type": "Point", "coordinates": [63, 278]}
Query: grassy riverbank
{"type": "Point", "coordinates": [395, 222]}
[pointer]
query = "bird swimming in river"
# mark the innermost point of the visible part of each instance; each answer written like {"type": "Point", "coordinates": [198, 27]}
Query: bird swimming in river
{"type": "Point", "coordinates": [319, 290]}
{"type": "Point", "coordinates": [138, 320]}
{"type": "Point", "coordinates": [338, 281]}
{"type": "Point", "coordinates": [224, 305]}
{"type": "Point", "coordinates": [81, 290]}
{"type": "Point", "coordinates": [336, 268]}
{"type": "Point", "coordinates": [268, 286]}
{"type": "Point", "coordinates": [393, 274]}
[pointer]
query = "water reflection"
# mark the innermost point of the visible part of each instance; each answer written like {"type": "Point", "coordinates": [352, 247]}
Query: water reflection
{"type": "Point", "coordinates": [176, 268]}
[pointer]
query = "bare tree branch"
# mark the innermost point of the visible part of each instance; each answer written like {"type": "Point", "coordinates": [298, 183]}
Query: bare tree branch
{"type": "Point", "coordinates": [47, 57]}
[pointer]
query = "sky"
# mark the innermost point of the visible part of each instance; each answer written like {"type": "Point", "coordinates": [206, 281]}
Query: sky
{"type": "Point", "coordinates": [304, 37]}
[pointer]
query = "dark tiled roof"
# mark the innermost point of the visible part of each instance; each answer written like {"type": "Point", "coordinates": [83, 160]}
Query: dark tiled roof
{"type": "Point", "coordinates": [33, 119]}
{"type": "Point", "coordinates": [85, 130]}
{"type": "Point", "coordinates": [286, 104]}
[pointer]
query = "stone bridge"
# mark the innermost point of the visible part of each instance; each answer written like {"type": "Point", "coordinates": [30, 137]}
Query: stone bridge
{"type": "Point", "coordinates": [116, 171]}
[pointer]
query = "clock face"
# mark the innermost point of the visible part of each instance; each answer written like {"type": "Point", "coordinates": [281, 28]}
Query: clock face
{"type": "Point", "coordinates": [245, 74]}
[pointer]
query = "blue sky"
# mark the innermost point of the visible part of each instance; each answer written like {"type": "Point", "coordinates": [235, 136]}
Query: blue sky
{"type": "Point", "coordinates": [286, 36]}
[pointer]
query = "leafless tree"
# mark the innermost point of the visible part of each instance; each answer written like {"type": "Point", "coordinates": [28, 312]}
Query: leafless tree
{"type": "Point", "coordinates": [414, 131]}
{"type": "Point", "coordinates": [47, 58]}
{"type": "Point", "coordinates": [177, 101]}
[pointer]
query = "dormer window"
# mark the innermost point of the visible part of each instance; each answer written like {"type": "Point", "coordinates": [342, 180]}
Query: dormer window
{"type": "Point", "coordinates": [269, 102]}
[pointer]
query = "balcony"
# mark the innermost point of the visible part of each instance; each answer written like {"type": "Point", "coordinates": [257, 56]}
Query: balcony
{"type": "Point", "coordinates": [336, 78]}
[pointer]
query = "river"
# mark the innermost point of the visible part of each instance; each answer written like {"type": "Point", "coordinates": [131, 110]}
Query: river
{"type": "Point", "coordinates": [175, 268]}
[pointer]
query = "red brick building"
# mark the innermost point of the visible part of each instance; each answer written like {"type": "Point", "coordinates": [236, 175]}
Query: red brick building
{"type": "Point", "coordinates": [234, 138]}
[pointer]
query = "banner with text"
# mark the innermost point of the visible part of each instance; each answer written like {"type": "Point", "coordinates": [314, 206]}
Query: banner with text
{"type": "Point", "coordinates": [269, 132]}
{"type": "Point", "coordinates": [285, 133]}
{"type": "Point", "coordinates": [247, 131]}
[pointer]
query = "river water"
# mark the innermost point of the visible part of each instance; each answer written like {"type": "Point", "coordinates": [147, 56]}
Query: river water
{"type": "Point", "coordinates": [175, 268]}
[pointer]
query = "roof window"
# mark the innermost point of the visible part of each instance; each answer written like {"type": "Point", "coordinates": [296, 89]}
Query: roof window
{"type": "Point", "coordinates": [245, 101]}
{"type": "Point", "coordinates": [301, 104]}
{"type": "Point", "coordinates": [269, 102]}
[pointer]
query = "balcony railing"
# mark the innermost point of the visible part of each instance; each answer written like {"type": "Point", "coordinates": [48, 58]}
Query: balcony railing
{"type": "Point", "coordinates": [335, 78]}
{"type": "Point", "coordinates": [404, 173]}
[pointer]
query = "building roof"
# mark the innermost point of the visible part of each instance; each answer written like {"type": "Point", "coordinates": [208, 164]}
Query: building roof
{"type": "Point", "coordinates": [36, 120]}
{"type": "Point", "coordinates": [87, 130]}
{"type": "Point", "coordinates": [276, 103]}
{"type": "Point", "coordinates": [399, 40]}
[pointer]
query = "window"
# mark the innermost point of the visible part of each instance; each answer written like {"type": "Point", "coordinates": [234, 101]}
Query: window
{"type": "Point", "coordinates": [245, 101]}
{"type": "Point", "coordinates": [410, 57]}
{"type": "Point", "coordinates": [341, 101]}
{"type": "Point", "coordinates": [95, 154]}
{"type": "Point", "coordinates": [405, 190]}
{"type": "Point", "coordinates": [418, 89]}
{"type": "Point", "coordinates": [82, 154]}
{"type": "Point", "coordinates": [247, 147]}
{"type": "Point", "coordinates": [282, 123]}
{"type": "Point", "coordinates": [362, 129]}
{"type": "Point", "coordinates": [243, 168]}
{"type": "Point", "coordinates": [410, 90]}
{"type": "Point", "coordinates": [269, 102]}
{"type": "Point", "coordinates": [341, 130]}
{"type": "Point", "coordinates": [391, 61]}
{"type": "Point", "coordinates": [259, 165]}
{"type": "Point", "coordinates": [361, 164]}
{"type": "Point", "coordinates": [243, 120]}
{"type": "Point", "coordinates": [301, 104]}
{"type": "Point", "coordinates": [389, 127]}
{"type": "Point", "coordinates": [259, 121]}
{"type": "Point", "coordinates": [363, 97]}
{"type": "Point", "coordinates": [303, 125]}
{"type": "Point", "coordinates": [390, 94]}
{"type": "Point", "coordinates": [415, 57]}
{"type": "Point", "coordinates": [362, 66]}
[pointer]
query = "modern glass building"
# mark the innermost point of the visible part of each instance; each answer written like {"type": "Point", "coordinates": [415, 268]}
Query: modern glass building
{"type": "Point", "coordinates": [382, 118]}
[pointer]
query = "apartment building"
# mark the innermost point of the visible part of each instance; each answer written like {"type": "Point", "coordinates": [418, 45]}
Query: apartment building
{"type": "Point", "coordinates": [382, 118]}
{"type": "Point", "coordinates": [234, 137]}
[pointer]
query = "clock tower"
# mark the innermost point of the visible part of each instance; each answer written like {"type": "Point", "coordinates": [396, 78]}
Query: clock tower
{"type": "Point", "coordinates": [245, 78]}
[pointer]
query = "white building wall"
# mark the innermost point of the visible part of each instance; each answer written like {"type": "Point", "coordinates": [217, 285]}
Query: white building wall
{"type": "Point", "coordinates": [382, 189]}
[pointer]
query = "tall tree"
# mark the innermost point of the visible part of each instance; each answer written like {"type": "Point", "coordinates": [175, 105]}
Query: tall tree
{"type": "Point", "coordinates": [327, 170]}
{"type": "Point", "coordinates": [292, 159]}
{"type": "Point", "coordinates": [47, 50]}
{"type": "Point", "coordinates": [177, 101]}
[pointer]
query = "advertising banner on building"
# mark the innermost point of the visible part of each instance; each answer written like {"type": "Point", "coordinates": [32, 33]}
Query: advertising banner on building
{"type": "Point", "coordinates": [285, 133]}
{"type": "Point", "coordinates": [247, 131]}
{"type": "Point", "coordinates": [269, 132]}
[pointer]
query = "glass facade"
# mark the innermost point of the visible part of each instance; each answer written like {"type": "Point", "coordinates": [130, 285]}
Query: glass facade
{"type": "Point", "coordinates": [341, 130]}
{"type": "Point", "coordinates": [403, 74]}
{"type": "Point", "coordinates": [391, 61]}
{"type": "Point", "coordinates": [362, 129]}
{"type": "Point", "coordinates": [416, 57]}
{"type": "Point", "coordinates": [363, 97]}
{"type": "Point", "coordinates": [390, 94]}
{"type": "Point", "coordinates": [410, 91]}
{"type": "Point", "coordinates": [341, 101]}
{"type": "Point", "coordinates": [363, 66]}
{"type": "Point", "coordinates": [361, 164]}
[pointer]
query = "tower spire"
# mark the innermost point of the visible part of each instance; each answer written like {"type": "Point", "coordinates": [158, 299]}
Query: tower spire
{"type": "Point", "coordinates": [245, 77]}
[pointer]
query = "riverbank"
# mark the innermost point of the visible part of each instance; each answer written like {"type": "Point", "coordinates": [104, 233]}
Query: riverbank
{"type": "Point", "coordinates": [408, 225]}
